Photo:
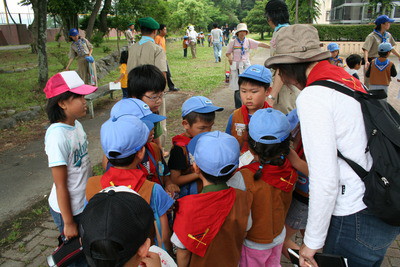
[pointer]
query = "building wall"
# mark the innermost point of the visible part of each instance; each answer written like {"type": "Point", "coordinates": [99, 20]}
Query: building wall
{"type": "Point", "coordinates": [325, 8]}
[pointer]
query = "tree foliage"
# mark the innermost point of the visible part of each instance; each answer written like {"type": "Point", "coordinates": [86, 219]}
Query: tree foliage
{"type": "Point", "coordinates": [380, 7]}
{"type": "Point", "coordinates": [308, 11]}
{"type": "Point", "coordinates": [255, 19]}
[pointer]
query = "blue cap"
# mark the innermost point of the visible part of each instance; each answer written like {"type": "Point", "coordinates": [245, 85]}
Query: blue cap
{"type": "Point", "coordinates": [135, 107]}
{"type": "Point", "coordinates": [333, 47]}
{"type": "Point", "coordinates": [385, 47]}
{"type": "Point", "coordinates": [383, 19]}
{"type": "Point", "coordinates": [199, 104]}
{"type": "Point", "coordinates": [125, 135]}
{"type": "Point", "coordinates": [185, 37]}
{"type": "Point", "coordinates": [269, 122]}
{"type": "Point", "coordinates": [293, 119]}
{"type": "Point", "coordinates": [73, 32]}
{"type": "Point", "coordinates": [213, 151]}
{"type": "Point", "coordinates": [258, 73]}
{"type": "Point", "coordinates": [89, 59]}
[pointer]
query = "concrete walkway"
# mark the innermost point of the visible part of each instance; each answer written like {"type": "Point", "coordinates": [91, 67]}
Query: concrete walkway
{"type": "Point", "coordinates": [14, 47]}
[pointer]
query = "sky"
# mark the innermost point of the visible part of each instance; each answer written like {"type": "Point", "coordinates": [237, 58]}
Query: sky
{"type": "Point", "coordinates": [25, 11]}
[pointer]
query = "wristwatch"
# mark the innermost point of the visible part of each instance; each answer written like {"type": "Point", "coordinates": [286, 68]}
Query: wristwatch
{"type": "Point", "coordinates": [271, 97]}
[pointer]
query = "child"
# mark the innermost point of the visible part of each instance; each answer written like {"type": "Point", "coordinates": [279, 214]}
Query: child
{"type": "Point", "coordinates": [147, 83]}
{"type": "Point", "coordinates": [254, 88]}
{"type": "Point", "coordinates": [335, 59]}
{"type": "Point", "coordinates": [66, 146]}
{"type": "Point", "coordinates": [123, 140]}
{"type": "Point", "coordinates": [116, 226]}
{"type": "Point", "coordinates": [381, 70]}
{"type": "Point", "coordinates": [153, 163]}
{"type": "Point", "coordinates": [354, 64]}
{"type": "Point", "coordinates": [210, 227]}
{"type": "Point", "coordinates": [185, 45]}
{"type": "Point", "coordinates": [209, 39]}
{"type": "Point", "coordinates": [198, 114]}
{"type": "Point", "coordinates": [201, 38]}
{"type": "Point", "coordinates": [123, 78]}
{"type": "Point", "coordinates": [270, 178]}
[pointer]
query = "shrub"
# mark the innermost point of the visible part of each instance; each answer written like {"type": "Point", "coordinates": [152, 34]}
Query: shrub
{"type": "Point", "coordinates": [97, 39]}
{"type": "Point", "coordinates": [350, 32]}
{"type": "Point", "coordinates": [106, 49]}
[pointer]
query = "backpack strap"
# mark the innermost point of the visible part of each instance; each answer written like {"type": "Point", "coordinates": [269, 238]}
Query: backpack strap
{"type": "Point", "coordinates": [360, 171]}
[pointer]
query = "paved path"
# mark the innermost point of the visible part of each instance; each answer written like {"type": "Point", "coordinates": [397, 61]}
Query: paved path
{"type": "Point", "coordinates": [14, 47]}
{"type": "Point", "coordinates": [26, 178]}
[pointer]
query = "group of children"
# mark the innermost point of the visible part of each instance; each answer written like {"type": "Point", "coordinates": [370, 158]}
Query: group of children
{"type": "Point", "coordinates": [379, 71]}
{"type": "Point", "coordinates": [232, 191]}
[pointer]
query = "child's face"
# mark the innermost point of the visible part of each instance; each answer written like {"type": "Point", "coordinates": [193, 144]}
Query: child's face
{"type": "Point", "coordinates": [357, 66]}
{"type": "Point", "coordinates": [335, 53]}
{"type": "Point", "coordinates": [153, 100]}
{"type": "Point", "coordinates": [151, 136]}
{"type": "Point", "coordinates": [253, 96]}
{"type": "Point", "coordinates": [196, 128]}
{"type": "Point", "coordinates": [74, 108]}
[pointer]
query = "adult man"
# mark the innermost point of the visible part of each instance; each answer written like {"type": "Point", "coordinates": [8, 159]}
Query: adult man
{"type": "Point", "coordinates": [146, 51]}
{"type": "Point", "coordinates": [216, 39]}
{"type": "Point", "coordinates": [130, 34]}
{"type": "Point", "coordinates": [160, 40]}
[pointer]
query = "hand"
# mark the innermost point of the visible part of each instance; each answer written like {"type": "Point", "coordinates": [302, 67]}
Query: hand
{"type": "Point", "coordinates": [67, 69]}
{"type": "Point", "coordinates": [366, 65]}
{"type": "Point", "coordinates": [171, 189]}
{"type": "Point", "coordinates": [230, 61]}
{"type": "Point", "coordinates": [116, 81]}
{"type": "Point", "coordinates": [307, 256]}
{"type": "Point", "coordinates": [151, 260]}
{"type": "Point", "coordinates": [70, 230]}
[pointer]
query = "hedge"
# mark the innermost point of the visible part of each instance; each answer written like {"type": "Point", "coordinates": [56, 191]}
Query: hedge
{"type": "Point", "coordinates": [351, 32]}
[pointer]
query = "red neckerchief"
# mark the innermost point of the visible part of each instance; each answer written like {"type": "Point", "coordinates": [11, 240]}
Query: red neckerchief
{"type": "Point", "coordinates": [151, 175]}
{"type": "Point", "coordinates": [181, 140]}
{"type": "Point", "coordinates": [326, 71]}
{"type": "Point", "coordinates": [299, 149]}
{"type": "Point", "coordinates": [246, 120]}
{"type": "Point", "coordinates": [200, 217]}
{"type": "Point", "coordinates": [132, 178]}
{"type": "Point", "coordinates": [282, 177]}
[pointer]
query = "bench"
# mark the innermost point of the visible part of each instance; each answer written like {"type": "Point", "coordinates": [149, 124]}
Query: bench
{"type": "Point", "coordinates": [101, 91]}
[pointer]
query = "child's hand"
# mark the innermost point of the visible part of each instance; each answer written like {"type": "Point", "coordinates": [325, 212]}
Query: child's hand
{"type": "Point", "coordinates": [152, 260]}
{"type": "Point", "coordinates": [70, 230]}
{"type": "Point", "coordinates": [171, 189]}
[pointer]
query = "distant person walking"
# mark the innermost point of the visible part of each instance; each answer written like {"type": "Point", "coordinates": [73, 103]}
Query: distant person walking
{"type": "Point", "coordinates": [216, 40]}
{"type": "Point", "coordinates": [130, 34]}
{"type": "Point", "coordinates": [81, 49]}
{"type": "Point", "coordinates": [238, 53]}
{"type": "Point", "coordinates": [379, 35]}
{"type": "Point", "coordinates": [192, 34]}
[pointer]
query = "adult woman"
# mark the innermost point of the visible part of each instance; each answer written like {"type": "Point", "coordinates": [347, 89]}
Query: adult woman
{"type": "Point", "coordinates": [379, 35]}
{"type": "Point", "coordinates": [238, 53]}
{"type": "Point", "coordinates": [81, 49]}
{"type": "Point", "coordinates": [192, 34]}
{"type": "Point", "coordinates": [331, 121]}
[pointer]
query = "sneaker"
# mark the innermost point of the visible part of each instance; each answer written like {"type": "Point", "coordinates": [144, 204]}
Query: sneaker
{"type": "Point", "coordinates": [173, 89]}
{"type": "Point", "coordinates": [219, 59]}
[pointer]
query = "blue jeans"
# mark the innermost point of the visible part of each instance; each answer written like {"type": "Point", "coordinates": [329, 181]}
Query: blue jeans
{"type": "Point", "coordinates": [217, 51]}
{"type": "Point", "coordinates": [81, 261]}
{"type": "Point", "coordinates": [362, 238]}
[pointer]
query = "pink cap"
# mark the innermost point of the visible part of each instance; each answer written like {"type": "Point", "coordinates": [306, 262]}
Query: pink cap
{"type": "Point", "coordinates": [67, 81]}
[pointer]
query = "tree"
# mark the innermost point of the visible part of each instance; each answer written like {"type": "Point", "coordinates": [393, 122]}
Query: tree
{"type": "Point", "coordinates": [256, 20]}
{"type": "Point", "coordinates": [103, 27]}
{"type": "Point", "coordinates": [92, 19]}
{"type": "Point", "coordinates": [308, 10]}
{"type": "Point", "coordinates": [380, 7]}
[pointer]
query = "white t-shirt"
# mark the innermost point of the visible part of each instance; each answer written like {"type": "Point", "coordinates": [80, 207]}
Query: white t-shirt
{"type": "Point", "coordinates": [68, 145]}
{"type": "Point", "coordinates": [329, 121]}
{"type": "Point", "coordinates": [216, 35]}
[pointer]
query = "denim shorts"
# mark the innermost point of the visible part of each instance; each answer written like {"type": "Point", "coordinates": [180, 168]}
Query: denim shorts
{"type": "Point", "coordinates": [297, 215]}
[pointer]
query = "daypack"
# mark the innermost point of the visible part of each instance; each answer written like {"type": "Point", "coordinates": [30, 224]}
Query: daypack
{"type": "Point", "coordinates": [382, 181]}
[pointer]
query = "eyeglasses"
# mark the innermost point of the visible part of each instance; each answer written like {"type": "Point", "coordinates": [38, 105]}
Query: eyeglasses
{"type": "Point", "coordinates": [155, 98]}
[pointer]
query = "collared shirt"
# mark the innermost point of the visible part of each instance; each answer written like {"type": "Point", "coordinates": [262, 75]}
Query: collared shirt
{"type": "Point", "coordinates": [214, 188]}
{"type": "Point", "coordinates": [80, 48]}
{"type": "Point", "coordinates": [146, 52]}
{"type": "Point", "coordinates": [161, 42]}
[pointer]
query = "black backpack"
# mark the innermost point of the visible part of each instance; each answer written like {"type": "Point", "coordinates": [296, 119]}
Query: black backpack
{"type": "Point", "coordinates": [382, 181]}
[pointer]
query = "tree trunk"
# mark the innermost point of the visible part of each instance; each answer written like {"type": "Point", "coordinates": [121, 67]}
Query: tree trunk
{"type": "Point", "coordinates": [103, 27]}
{"type": "Point", "coordinates": [33, 28]}
{"type": "Point", "coordinates": [262, 36]}
{"type": "Point", "coordinates": [41, 42]}
{"type": "Point", "coordinates": [92, 19]}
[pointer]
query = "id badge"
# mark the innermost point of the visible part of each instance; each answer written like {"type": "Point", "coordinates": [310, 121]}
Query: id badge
{"type": "Point", "coordinates": [240, 128]}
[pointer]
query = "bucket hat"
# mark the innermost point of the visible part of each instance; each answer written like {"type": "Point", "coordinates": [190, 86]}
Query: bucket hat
{"type": "Point", "coordinates": [241, 27]}
{"type": "Point", "coordinates": [297, 44]}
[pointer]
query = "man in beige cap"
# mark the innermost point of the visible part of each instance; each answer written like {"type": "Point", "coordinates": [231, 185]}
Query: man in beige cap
{"type": "Point", "coordinates": [338, 219]}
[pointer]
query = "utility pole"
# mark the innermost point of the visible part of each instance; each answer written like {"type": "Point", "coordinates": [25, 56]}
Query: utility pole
{"type": "Point", "coordinates": [296, 19]}
{"type": "Point", "coordinates": [5, 10]}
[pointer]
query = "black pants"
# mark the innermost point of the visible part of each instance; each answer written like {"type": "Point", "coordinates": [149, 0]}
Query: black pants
{"type": "Point", "coordinates": [185, 52]}
{"type": "Point", "coordinates": [238, 101]}
{"type": "Point", "coordinates": [170, 84]}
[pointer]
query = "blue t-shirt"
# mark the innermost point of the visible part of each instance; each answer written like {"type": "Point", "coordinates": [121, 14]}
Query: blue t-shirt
{"type": "Point", "coordinates": [160, 201]}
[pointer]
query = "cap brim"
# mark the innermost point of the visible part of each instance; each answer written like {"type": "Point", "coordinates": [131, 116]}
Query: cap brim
{"type": "Point", "coordinates": [154, 118]}
{"type": "Point", "coordinates": [296, 58]}
{"type": "Point", "coordinates": [208, 109]}
{"type": "Point", "coordinates": [83, 89]}
{"type": "Point", "coordinates": [149, 124]}
{"type": "Point", "coordinates": [192, 144]}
